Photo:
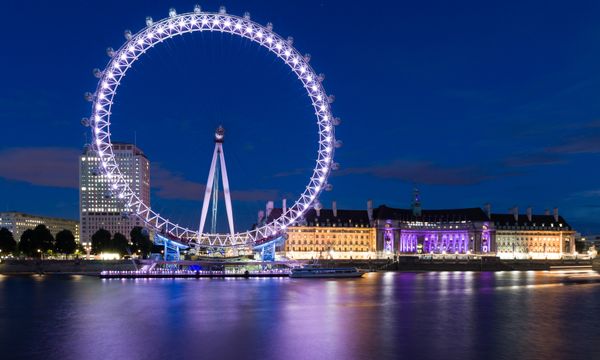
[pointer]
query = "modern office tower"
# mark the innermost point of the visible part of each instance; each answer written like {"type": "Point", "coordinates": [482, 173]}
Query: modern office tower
{"type": "Point", "coordinates": [98, 208]}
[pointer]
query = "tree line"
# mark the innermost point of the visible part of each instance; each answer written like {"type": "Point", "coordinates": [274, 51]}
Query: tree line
{"type": "Point", "coordinates": [39, 241]}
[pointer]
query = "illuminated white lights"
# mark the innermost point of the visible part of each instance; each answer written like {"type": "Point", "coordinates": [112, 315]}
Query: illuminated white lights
{"type": "Point", "coordinates": [174, 25]}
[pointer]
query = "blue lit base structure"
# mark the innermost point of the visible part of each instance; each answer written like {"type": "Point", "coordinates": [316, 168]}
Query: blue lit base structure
{"type": "Point", "coordinates": [267, 249]}
{"type": "Point", "coordinates": [172, 248]}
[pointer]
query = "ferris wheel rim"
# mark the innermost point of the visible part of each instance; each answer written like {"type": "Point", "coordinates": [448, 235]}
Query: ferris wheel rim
{"type": "Point", "coordinates": [174, 25]}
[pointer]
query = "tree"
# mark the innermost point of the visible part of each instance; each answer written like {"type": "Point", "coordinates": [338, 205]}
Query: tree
{"type": "Point", "coordinates": [37, 241]}
{"type": "Point", "coordinates": [101, 241]}
{"type": "Point", "coordinates": [43, 238]}
{"type": "Point", "coordinates": [7, 242]}
{"type": "Point", "coordinates": [26, 243]}
{"type": "Point", "coordinates": [120, 244]}
{"type": "Point", "coordinates": [141, 241]}
{"type": "Point", "coordinates": [65, 242]}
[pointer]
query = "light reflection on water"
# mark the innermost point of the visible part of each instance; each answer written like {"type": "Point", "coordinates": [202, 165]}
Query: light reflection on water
{"type": "Point", "coordinates": [504, 315]}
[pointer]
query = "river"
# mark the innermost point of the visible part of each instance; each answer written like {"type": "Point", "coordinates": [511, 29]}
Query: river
{"type": "Point", "coordinates": [435, 315]}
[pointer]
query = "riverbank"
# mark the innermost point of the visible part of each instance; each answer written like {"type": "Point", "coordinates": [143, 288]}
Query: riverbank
{"type": "Point", "coordinates": [414, 263]}
{"type": "Point", "coordinates": [66, 267]}
{"type": "Point", "coordinates": [403, 263]}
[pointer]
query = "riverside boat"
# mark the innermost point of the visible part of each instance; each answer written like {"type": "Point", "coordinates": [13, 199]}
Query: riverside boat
{"type": "Point", "coordinates": [319, 272]}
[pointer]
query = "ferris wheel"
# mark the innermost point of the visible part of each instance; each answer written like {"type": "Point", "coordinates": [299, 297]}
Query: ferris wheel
{"type": "Point", "coordinates": [155, 33]}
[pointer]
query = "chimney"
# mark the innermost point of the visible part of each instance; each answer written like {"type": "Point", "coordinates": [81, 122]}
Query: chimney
{"type": "Point", "coordinates": [261, 216]}
{"type": "Point", "coordinates": [284, 206]}
{"type": "Point", "coordinates": [515, 211]}
{"type": "Point", "coordinates": [370, 209]}
{"type": "Point", "coordinates": [488, 210]}
{"type": "Point", "coordinates": [529, 214]}
{"type": "Point", "coordinates": [547, 212]}
{"type": "Point", "coordinates": [556, 214]}
{"type": "Point", "coordinates": [270, 207]}
{"type": "Point", "coordinates": [334, 208]}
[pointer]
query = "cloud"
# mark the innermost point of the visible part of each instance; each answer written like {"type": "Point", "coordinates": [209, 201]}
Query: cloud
{"type": "Point", "coordinates": [588, 194]}
{"type": "Point", "coordinates": [583, 144]}
{"type": "Point", "coordinates": [42, 166]}
{"type": "Point", "coordinates": [59, 167]}
{"type": "Point", "coordinates": [293, 172]}
{"type": "Point", "coordinates": [536, 159]}
{"type": "Point", "coordinates": [424, 172]}
{"type": "Point", "coordinates": [174, 186]}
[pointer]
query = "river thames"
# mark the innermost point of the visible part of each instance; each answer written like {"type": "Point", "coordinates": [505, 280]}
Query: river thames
{"type": "Point", "coordinates": [441, 315]}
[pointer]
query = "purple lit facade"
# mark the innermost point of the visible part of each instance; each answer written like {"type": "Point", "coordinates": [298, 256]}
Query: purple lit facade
{"type": "Point", "coordinates": [455, 231]}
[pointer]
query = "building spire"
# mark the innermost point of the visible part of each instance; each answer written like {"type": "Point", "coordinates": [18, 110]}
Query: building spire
{"type": "Point", "coordinates": [416, 202]}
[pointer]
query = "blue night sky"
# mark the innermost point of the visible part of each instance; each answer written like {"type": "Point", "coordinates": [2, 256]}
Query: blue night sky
{"type": "Point", "coordinates": [472, 101]}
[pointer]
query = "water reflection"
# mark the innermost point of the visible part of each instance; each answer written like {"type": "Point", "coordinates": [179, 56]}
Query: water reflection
{"type": "Point", "coordinates": [505, 315]}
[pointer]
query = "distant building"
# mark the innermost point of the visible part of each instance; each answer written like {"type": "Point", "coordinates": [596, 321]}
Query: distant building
{"type": "Point", "coordinates": [593, 239]}
{"type": "Point", "coordinates": [17, 223]}
{"type": "Point", "coordinates": [386, 232]}
{"type": "Point", "coordinates": [449, 231]}
{"type": "Point", "coordinates": [98, 208]}
{"type": "Point", "coordinates": [529, 236]}
{"type": "Point", "coordinates": [419, 231]}
{"type": "Point", "coordinates": [329, 233]}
